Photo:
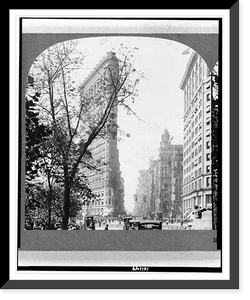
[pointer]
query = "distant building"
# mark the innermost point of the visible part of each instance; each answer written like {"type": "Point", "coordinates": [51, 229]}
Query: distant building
{"type": "Point", "coordinates": [197, 160]}
{"type": "Point", "coordinates": [106, 182]}
{"type": "Point", "coordinates": [177, 179]}
{"type": "Point", "coordinates": [159, 190]}
{"type": "Point", "coordinates": [152, 182]}
{"type": "Point", "coordinates": [169, 179]}
{"type": "Point", "coordinates": [140, 198]}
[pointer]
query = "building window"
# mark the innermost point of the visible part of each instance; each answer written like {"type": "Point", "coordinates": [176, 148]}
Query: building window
{"type": "Point", "coordinates": [200, 114]}
{"type": "Point", "coordinates": [208, 156]}
{"type": "Point", "coordinates": [208, 144]}
{"type": "Point", "coordinates": [208, 181]}
{"type": "Point", "coordinates": [208, 199]}
{"type": "Point", "coordinates": [208, 169]}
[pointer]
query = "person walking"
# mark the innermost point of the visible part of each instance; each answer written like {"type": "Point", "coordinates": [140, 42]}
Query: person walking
{"type": "Point", "coordinates": [107, 227]}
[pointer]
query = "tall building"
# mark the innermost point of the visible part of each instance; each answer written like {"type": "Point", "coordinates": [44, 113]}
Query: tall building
{"type": "Point", "coordinates": [164, 187]}
{"type": "Point", "coordinates": [197, 161]}
{"type": "Point", "coordinates": [106, 182]}
{"type": "Point", "coordinates": [169, 179]}
{"type": "Point", "coordinates": [159, 191]}
{"type": "Point", "coordinates": [152, 182]}
{"type": "Point", "coordinates": [140, 198]}
{"type": "Point", "coordinates": [177, 179]}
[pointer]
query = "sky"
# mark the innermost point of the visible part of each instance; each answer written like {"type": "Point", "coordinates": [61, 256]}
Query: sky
{"type": "Point", "coordinates": [159, 104]}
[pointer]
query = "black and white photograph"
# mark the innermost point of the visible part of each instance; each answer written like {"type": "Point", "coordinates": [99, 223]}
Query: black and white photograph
{"type": "Point", "coordinates": [121, 133]}
{"type": "Point", "coordinates": [118, 135]}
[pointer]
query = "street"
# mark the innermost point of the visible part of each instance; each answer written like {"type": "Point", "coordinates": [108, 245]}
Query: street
{"type": "Point", "coordinates": [116, 226]}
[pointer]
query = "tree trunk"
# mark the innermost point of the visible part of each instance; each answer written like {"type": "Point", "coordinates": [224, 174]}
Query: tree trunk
{"type": "Point", "coordinates": [66, 205]}
{"type": "Point", "coordinates": [49, 210]}
{"type": "Point", "coordinates": [49, 202]}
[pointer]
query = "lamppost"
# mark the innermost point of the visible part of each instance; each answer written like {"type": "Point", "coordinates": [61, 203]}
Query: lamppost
{"type": "Point", "coordinates": [172, 209]}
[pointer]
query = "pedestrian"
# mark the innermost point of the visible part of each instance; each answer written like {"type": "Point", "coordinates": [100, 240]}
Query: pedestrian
{"type": "Point", "coordinates": [107, 227]}
{"type": "Point", "coordinates": [132, 227]}
{"type": "Point", "coordinates": [36, 227]}
{"type": "Point", "coordinates": [195, 212]}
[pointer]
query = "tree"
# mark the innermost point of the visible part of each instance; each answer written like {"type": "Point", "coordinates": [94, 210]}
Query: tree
{"type": "Point", "coordinates": [43, 171]}
{"type": "Point", "coordinates": [36, 135]}
{"type": "Point", "coordinates": [76, 118]}
{"type": "Point", "coordinates": [35, 131]}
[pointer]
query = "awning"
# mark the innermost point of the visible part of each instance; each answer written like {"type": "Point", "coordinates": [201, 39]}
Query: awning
{"type": "Point", "coordinates": [106, 214]}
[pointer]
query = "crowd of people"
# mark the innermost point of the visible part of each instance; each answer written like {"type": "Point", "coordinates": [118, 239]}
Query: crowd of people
{"type": "Point", "coordinates": [89, 223]}
{"type": "Point", "coordinates": [42, 225]}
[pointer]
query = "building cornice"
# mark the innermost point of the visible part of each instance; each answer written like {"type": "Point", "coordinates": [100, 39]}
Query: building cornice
{"type": "Point", "coordinates": [189, 68]}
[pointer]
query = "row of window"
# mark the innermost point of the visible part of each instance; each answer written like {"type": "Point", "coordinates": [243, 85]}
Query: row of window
{"type": "Point", "coordinates": [194, 128]}
{"type": "Point", "coordinates": [196, 78]}
{"type": "Point", "coordinates": [196, 162]}
{"type": "Point", "coordinates": [190, 132]}
{"type": "Point", "coordinates": [192, 111]}
{"type": "Point", "coordinates": [97, 146]}
{"type": "Point", "coordinates": [110, 201]}
{"type": "Point", "coordinates": [178, 180]}
{"type": "Point", "coordinates": [178, 188]}
{"type": "Point", "coordinates": [95, 87]}
{"type": "Point", "coordinates": [200, 201]}
{"type": "Point", "coordinates": [99, 151]}
{"type": "Point", "coordinates": [195, 153]}
{"type": "Point", "coordinates": [197, 185]}
{"type": "Point", "coordinates": [195, 174]}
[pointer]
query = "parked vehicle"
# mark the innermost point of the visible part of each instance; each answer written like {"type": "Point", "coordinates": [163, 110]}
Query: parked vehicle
{"type": "Point", "coordinates": [126, 222]}
{"type": "Point", "coordinates": [145, 225]}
